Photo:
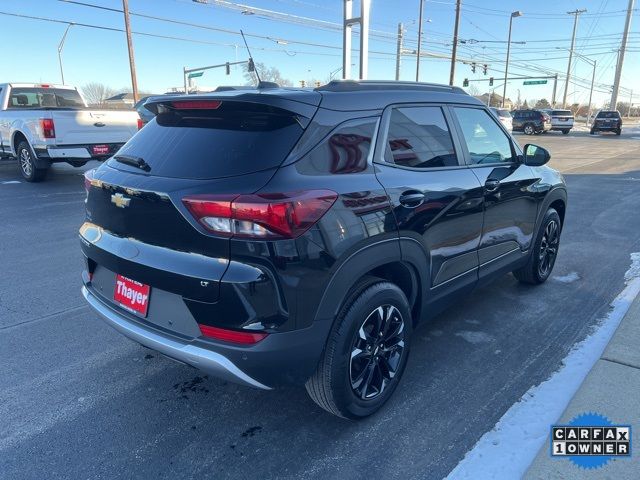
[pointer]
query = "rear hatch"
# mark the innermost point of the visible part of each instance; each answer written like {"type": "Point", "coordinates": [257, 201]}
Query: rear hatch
{"type": "Point", "coordinates": [562, 117]}
{"type": "Point", "coordinates": [137, 223]}
{"type": "Point", "coordinates": [80, 127]}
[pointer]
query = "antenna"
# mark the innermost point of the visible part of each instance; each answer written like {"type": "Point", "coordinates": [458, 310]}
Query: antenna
{"type": "Point", "coordinates": [252, 65]}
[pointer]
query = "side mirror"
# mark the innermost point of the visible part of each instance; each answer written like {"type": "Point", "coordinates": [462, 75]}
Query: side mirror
{"type": "Point", "coordinates": [535, 156]}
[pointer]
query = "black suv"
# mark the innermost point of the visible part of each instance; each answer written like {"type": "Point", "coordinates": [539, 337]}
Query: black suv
{"type": "Point", "coordinates": [289, 236]}
{"type": "Point", "coordinates": [607, 121]}
{"type": "Point", "coordinates": [531, 121]}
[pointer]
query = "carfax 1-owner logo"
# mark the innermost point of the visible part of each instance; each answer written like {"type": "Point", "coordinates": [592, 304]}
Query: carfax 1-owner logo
{"type": "Point", "coordinates": [590, 440]}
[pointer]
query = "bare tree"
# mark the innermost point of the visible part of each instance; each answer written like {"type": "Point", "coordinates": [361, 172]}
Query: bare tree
{"type": "Point", "coordinates": [473, 90]}
{"type": "Point", "coordinates": [267, 74]}
{"type": "Point", "coordinates": [96, 93]}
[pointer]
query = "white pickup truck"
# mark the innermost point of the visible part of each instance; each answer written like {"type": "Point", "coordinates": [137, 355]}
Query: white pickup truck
{"type": "Point", "coordinates": [41, 124]}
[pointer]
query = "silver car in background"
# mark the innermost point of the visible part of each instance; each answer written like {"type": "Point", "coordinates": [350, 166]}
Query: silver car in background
{"type": "Point", "coordinates": [561, 120]}
{"type": "Point", "coordinates": [504, 116]}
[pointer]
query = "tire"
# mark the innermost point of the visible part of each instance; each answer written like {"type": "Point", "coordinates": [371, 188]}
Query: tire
{"type": "Point", "coordinates": [529, 129]}
{"type": "Point", "coordinates": [618, 132]}
{"type": "Point", "coordinates": [355, 385]}
{"type": "Point", "coordinates": [565, 132]}
{"type": "Point", "coordinates": [544, 251]}
{"type": "Point", "coordinates": [592, 132]}
{"type": "Point", "coordinates": [26, 161]}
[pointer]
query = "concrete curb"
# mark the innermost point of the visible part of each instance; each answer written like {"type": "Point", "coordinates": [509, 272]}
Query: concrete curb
{"type": "Point", "coordinates": [612, 388]}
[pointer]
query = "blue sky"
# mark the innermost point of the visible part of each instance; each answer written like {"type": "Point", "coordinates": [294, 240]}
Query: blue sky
{"type": "Point", "coordinates": [92, 55]}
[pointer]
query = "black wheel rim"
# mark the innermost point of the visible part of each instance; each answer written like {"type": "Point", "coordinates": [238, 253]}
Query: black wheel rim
{"type": "Point", "coordinates": [377, 352]}
{"type": "Point", "coordinates": [548, 248]}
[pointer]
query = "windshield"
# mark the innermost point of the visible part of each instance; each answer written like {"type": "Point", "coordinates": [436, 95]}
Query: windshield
{"type": "Point", "coordinates": [45, 98]}
{"type": "Point", "coordinates": [562, 112]}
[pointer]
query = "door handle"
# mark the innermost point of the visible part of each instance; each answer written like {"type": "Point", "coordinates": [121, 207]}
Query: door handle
{"type": "Point", "coordinates": [412, 199]}
{"type": "Point", "coordinates": [491, 185]}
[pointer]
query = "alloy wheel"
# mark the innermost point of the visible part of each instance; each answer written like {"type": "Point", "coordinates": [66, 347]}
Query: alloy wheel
{"type": "Point", "coordinates": [25, 162]}
{"type": "Point", "coordinates": [528, 130]}
{"type": "Point", "coordinates": [548, 248]}
{"type": "Point", "coordinates": [376, 352]}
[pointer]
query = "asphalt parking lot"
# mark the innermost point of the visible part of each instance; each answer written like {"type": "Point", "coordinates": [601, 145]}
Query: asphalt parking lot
{"type": "Point", "coordinates": [78, 400]}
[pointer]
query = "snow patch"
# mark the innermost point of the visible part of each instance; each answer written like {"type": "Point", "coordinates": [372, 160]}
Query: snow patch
{"type": "Point", "coordinates": [474, 337]}
{"type": "Point", "coordinates": [509, 448]}
{"type": "Point", "coordinates": [568, 278]}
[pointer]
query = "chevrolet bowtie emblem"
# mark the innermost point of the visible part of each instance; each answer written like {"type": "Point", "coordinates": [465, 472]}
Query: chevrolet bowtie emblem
{"type": "Point", "coordinates": [120, 200]}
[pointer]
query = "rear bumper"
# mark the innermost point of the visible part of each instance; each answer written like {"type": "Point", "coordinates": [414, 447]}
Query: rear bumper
{"type": "Point", "coordinates": [204, 359]}
{"type": "Point", "coordinates": [64, 153]}
{"type": "Point", "coordinates": [280, 359]}
{"type": "Point", "coordinates": [606, 128]}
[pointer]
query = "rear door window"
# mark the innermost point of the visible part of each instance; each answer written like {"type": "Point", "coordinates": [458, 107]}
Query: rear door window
{"type": "Point", "coordinates": [419, 137]}
{"type": "Point", "coordinates": [235, 139]}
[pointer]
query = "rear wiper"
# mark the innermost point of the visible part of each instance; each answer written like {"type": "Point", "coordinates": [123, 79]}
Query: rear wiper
{"type": "Point", "coordinates": [133, 161]}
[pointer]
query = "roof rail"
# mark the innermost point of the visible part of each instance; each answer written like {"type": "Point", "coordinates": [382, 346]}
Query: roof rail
{"type": "Point", "coordinates": [368, 85]}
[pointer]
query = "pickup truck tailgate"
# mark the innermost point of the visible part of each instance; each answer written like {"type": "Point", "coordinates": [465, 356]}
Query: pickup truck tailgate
{"type": "Point", "coordinates": [78, 127]}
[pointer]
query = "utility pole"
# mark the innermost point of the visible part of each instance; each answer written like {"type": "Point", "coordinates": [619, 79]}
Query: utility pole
{"type": "Point", "coordinates": [419, 41]}
{"type": "Point", "coordinates": [593, 79]}
{"type": "Point", "coordinates": [132, 62]}
{"type": "Point", "coordinates": [455, 43]}
{"type": "Point", "coordinates": [630, 104]}
{"type": "Point", "coordinates": [60, 47]}
{"type": "Point", "coordinates": [348, 22]}
{"type": "Point", "coordinates": [515, 14]}
{"type": "Point", "coordinates": [555, 89]}
{"type": "Point", "coordinates": [623, 47]}
{"type": "Point", "coordinates": [575, 14]}
{"type": "Point", "coordinates": [399, 50]}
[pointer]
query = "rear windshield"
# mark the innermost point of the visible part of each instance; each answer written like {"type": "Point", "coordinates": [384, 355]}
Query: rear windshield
{"type": "Point", "coordinates": [608, 115]}
{"type": "Point", "coordinates": [45, 98]}
{"type": "Point", "coordinates": [503, 113]}
{"type": "Point", "coordinates": [233, 139]}
{"type": "Point", "coordinates": [566, 113]}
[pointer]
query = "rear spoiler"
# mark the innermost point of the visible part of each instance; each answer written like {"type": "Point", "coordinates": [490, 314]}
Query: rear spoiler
{"type": "Point", "coordinates": [305, 103]}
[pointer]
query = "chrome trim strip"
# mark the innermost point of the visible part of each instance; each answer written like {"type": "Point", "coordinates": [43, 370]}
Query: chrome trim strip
{"type": "Point", "coordinates": [207, 360]}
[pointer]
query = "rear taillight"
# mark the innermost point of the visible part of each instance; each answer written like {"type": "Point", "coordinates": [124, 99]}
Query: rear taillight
{"type": "Point", "coordinates": [88, 178]}
{"type": "Point", "coordinates": [233, 336]}
{"type": "Point", "coordinates": [48, 128]}
{"type": "Point", "coordinates": [140, 123]}
{"type": "Point", "coordinates": [260, 216]}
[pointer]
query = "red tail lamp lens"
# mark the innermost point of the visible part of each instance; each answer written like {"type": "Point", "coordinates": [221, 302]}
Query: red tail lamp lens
{"type": "Point", "coordinates": [261, 216]}
{"type": "Point", "coordinates": [196, 104]}
{"type": "Point", "coordinates": [233, 336]}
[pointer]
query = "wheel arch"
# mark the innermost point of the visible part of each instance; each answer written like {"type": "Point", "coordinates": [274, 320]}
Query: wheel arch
{"type": "Point", "coordinates": [384, 260]}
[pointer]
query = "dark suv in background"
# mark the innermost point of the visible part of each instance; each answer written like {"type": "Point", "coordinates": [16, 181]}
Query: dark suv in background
{"type": "Point", "coordinates": [531, 121]}
{"type": "Point", "coordinates": [290, 236]}
{"type": "Point", "coordinates": [607, 121]}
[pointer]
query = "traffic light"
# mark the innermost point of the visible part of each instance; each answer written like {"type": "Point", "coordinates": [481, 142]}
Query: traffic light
{"type": "Point", "coordinates": [303, 83]}
{"type": "Point", "coordinates": [491, 81]}
{"type": "Point", "coordinates": [252, 66]}
{"type": "Point", "coordinates": [484, 69]}
{"type": "Point", "coordinates": [228, 68]}
{"type": "Point", "coordinates": [465, 83]}
{"type": "Point", "coordinates": [317, 83]}
{"type": "Point", "coordinates": [473, 68]}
